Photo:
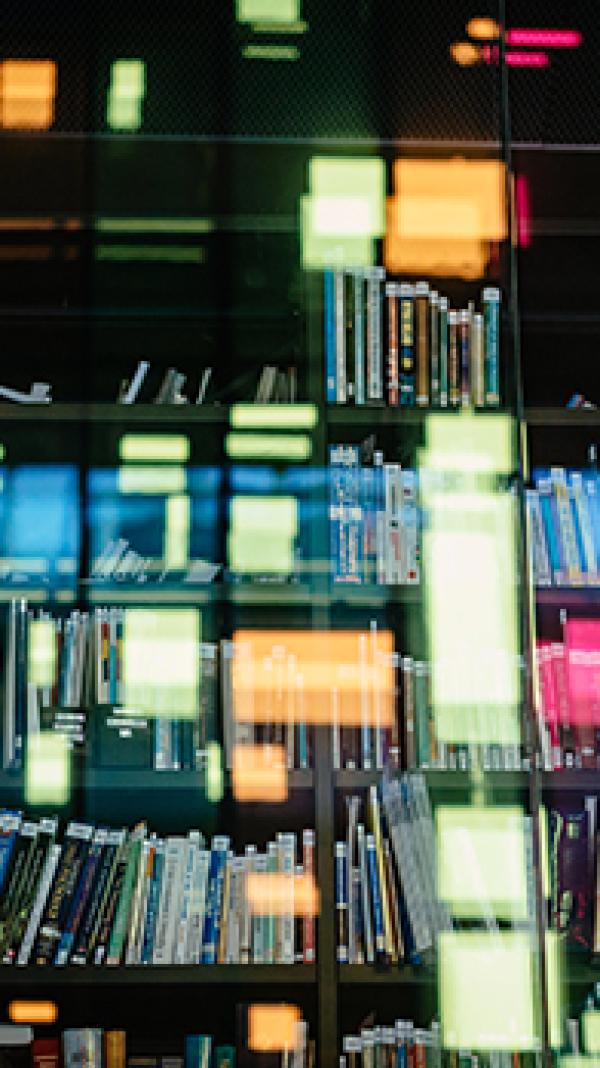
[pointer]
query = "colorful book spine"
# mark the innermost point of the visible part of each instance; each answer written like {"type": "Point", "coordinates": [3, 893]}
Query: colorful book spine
{"type": "Point", "coordinates": [422, 343]}
{"type": "Point", "coordinates": [341, 901]}
{"type": "Point", "coordinates": [330, 339]}
{"type": "Point", "coordinates": [341, 377]}
{"type": "Point", "coordinates": [308, 861]}
{"type": "Point", "coordinates": [407, 346]}
{"type": "Point", "coordinates": [464, 338]}
{"type": "Point", "coordinates": [453, 360]}
{"type": "Point", "coordinates": [491, 317]}
{"type": "Point", "coordinates": [375, 279]}
{"type": "Point", "coordinates": [434, 347]}
{"type": "Point", "coordinates": [566, 526]}
{"type": "Point", "coordinates": [477, 361]}
{"type": "Point", "coordinates": [392, 362]}
{"type": "Point", "coordinates": [378, 921]}
{"type": "Point", "coordinates": [443, 332]}
{"type": "Point", "coordinates": [210, 938]}
{"type": "Point", "coordinates": [358, 302]}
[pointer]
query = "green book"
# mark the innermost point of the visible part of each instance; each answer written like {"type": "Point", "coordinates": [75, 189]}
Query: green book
{"type": "Point", "coordinates": [224, 1057]}
{"type": "Point", "coordinates": [121, 920]}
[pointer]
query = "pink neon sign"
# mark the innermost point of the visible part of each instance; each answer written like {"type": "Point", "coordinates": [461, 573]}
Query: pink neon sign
{"type": "Point", "coordinates": [534, 38]}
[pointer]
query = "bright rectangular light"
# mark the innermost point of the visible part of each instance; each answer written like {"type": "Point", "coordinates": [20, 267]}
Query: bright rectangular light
{"type": "Point", "coordinates": [487, 990]}
{"type": "Point", "coordinates": [268, 10]}
{"type": "Point", "coordinates": [47, 769]}
{"type": "Point", "coordinates": [261, 534]}
{"type": "Point", "coordinates": [177, 532]}
{"type": "Point", "coordinates": [259, 773]}
{"type": "Point", "coordinates": [336, 250]}
{"type": "Point", "coordinates": [482, 861]}
{"type": "Point", "coordinates": [272, 1028]}
{"type": "Point", "coordinates": [351, 216]}
{"type": "Point", "coordinates": [273, 416]}
{"type": "Point", "coordinates": [157, 480]}
{"type": "Point", "coordinates": [42, 652]}
{"type": "Point", "coordinates": [126, 92]}
{"type": "Point", "coordinates": [361, 180]}
{"type": "Point", "coordinates": [171, 448]}
{"type": "Point", "coordinates": [268, 446]}
{"type": "Point", "coordinates": [161, 661]}
{"type": "Point", "coordinates": [27, 94]}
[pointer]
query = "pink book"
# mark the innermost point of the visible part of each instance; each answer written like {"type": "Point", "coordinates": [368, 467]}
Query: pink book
{"type": "Point", "coordinates": [582, 641]}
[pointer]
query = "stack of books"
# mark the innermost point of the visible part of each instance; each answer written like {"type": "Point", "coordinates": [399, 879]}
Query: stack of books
{"type": "Point", "coordinates": [113, 897]}
{"type": "Point", "coordinates": [97, 1048]}
{"type": "Point", "coordinates": [402, 345]}
{"type": "Point", "coordinates": [568, 675]}
{"type": "Point", "coordinates": [386, 905]}
{"type": "Point", "coordinates": [574, 874]}
{"type": "Point", "coordinates": [401, 1043]}
{"type": "Point", "coordinates": [563, 513]}
{"type": "Point", "coordinates": [373, 520]}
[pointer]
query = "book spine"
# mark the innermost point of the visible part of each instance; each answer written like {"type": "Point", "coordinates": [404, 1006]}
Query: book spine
{"type": "Point", "coordinates": [453, 360]}
{"type": "Point", "coordinates": [198, 908]}
{"type": "Point", "coordinates": [407, 346]}
{"type": "Point", "coordinates": [74, 853]}
{"type": "Point", "coordinates": [380, 943]}
{"type": "Point", "coordinates": [272, 923]}
{"type": "Point", "coordinates": [125, 902]}
{"type": "Point", "coordinates": [542, 574]}
{"type": "Point", "coordinates": [259, 867]}
{"type": "Point", "coordinates": [132, 955]}
{"type": "Point", "coordinates": [477, 362]}
{"type": "Point", "coordinates": [434, 347]}
{"type": "Point", "coordinates": [308, 927]}
{"type": "Point", "coordinates": [104, 930]}
{"type": "Point", "coordinates": [210, 938]}
{"type": "Point", "coordinates": [422, 343]}
{"type": "Point", "coordinates": [423, 746]}
{"type": "Point", "coordinates": [375, 277]}
{"type": "Point", "coordinates": [392, 362]}
{"type": "Point", "coordinates": [330, 341]}
{"type": "Point", "coordinates": [341, 383]}
{"type": "Point", "coordinates": [152, 903]}
{"type": "Point", "coordinates": [408, 691]}
{"type": "Point", "coordinates": [464, 337]}
{"type": "Point", "coordinates": [173, 853]}
{"type": "Point", "coordinates": [369, 948]}
{"type": "Point", "coordinates": [378, 839]}
{"type": "Point", "coordinates": [39, 906]}
{"type": "Point", "coordinates": [410, 568]}
{"type": "Point", "coordinates": [341, 901]}
{"type": "Point", "coordinates": [90, 918]}
{"type": "Point", "coordinates": [443, 336]}
{"type": "Point", "coordinates": [80, 900]}
{"type": "Point", "coordinates": [287, 865]}
{"type": "Point", "coordinates": [358, 281]}
{"type": "Point", "coordinates": [491, 319]}
{"type": "Point", "coordinates": [183, 920]}
{"type": "Point", "coordinates": [566, 526]}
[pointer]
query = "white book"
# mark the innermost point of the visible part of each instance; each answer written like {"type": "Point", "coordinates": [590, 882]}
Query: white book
{"type": "Point", "coordinates": [259, 866]}
{"type": "Point", "coordinates": [39, 904]}
{"type": "Point", "coordinates": [339, 281]}
{"type": "Point", "coordinates": [197, 908]}
{"type": "Point", "coordinates": [287, 866]}
{"type": "Point", "coordinates": [183, 921]}
{"type": "Point", "coordinates": [236, 896]}
{"type": "Point", "coordinates": [365, 887]}
{"type": "Point", "coordinates": [246, 916]}
{"type": "Point", "coordinates": [174, 853]}
{"type": "Point", "coordinates": [136, 382]}
{"type": "Point", "coordinates": [134, 952]}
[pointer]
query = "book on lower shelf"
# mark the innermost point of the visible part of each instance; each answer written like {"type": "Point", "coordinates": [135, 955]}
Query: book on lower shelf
{"type": "Point", "coordinates": [386, 905]}
{"type": "Point", "coordinates": [563, 515]}
{"type": "Point", "coordinates": [568, 683]}
{"type": "Point", "coordinates": [110, 898]}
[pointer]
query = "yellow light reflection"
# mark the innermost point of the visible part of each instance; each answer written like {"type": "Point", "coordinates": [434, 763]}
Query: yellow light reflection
{"type": "Point", "coordinates": [487, 990]}
{"type": "Point", "coordinates": [141, 478]}
{"type": "Point", "coordinates": [161, 661]}
{"type": "Point", "coordinates": [483, 28]}
{"type": "Point", "coordinates": [260, 11]}
{"type": "Point", "coordinates": [444, 214]}
{"type": "Point", "coordinates": [482, 861]}
{"type": "Point", "coordinates": [555, 985]}
{"type": "Point", "coordinates": [314, 676]}
{"type": "Point", "coordinates": [261, 534]}
{"type": "Point", "coordinates": [272, 1028]}
{"type": "Point", "coordinates": [27, 93]}
{"type": "Point", "coordinates": [278, 894]}
{"type": "Point", "coordinates": [344, 211]}
{"type": "Point", "coordinates": [214, 772]}
{"type": "Point", "coordinates": [33, 1012]}
{"type": "Point", "coordinates": [126, 93]}
{"type": "Point", "coordinates": [47, 769]}
{"type": "Point", "coordinates": [259, 773]}
{"type": "Point", "coordinates": [268, 446]}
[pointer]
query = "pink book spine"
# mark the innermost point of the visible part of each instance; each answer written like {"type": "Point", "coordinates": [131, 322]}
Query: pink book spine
{"type": "Point", "coordinates": [549, 700]}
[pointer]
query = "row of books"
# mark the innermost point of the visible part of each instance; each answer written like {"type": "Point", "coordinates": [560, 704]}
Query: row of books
{"type": "Point", "coordinates": [386, 904]}
{"type": "Point", "coordinates": [404, 1044]}
{"type": "Point", "coordinates": [569, 696]}
{"type": "Point", "coordinates": [402, 345]}
{"type": "Point", "coordinates": [373, 519]}
{"type": "Point", "coordinates": [574, 873]}
{"type": "Point", "coordinates": [563, 512]}
{"type": "Point", "coordinates": [113, 897]}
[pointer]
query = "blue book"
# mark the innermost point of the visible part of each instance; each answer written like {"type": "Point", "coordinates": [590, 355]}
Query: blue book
{"type": "Point", "coordinates": [336, 513]}
{"type": "Point", "coordinates": [152, 906]}
{"type": "Point", "coordinates": [341, 901]}
{"type": "Point", "coordinates": [358, 296]}
{"type": "Point", "coordinates": [329, 304]}
{"type": "Point", "coordinates": [375, 896]}
{"type": "Point", "coordinates": [78, 903]}
{"type": "Point", "coordinates": [9, 829]}
{"type": "Point", "coordinates": [210, 936]}
{"type": "Point", "coordinates": [591, 486]}
{"type": "Point", "coordinates": [112, 659]}
{"type": "Point", "coordinates": [491, 343]}
{"type": "Point", "coordinates": [369, 511]}
{"type": "Point", "coordinates": [197, 1051]}
{"type": "Point", "coordinates": [551, 526]}
{"type": "Point", "coordinates": [302, 745]}
{"type": "Point", "coordinates": [354, 515]}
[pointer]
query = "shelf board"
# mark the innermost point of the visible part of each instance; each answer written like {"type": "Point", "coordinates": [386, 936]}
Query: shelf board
{"type": "Point", "coordinates": [186, 779]}
{"type": "Point", "coordinates": [369, 974]}
{"type": "Point", "coordinates": [567, 417]}
{"type": "Point", "coordinates": [156, 975]}
{"type": "Point", "coordinates": [567, 596]}
{"type": "Point", "coordinates": [115, 413]}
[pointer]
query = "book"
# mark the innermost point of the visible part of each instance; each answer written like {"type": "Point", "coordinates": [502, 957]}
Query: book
{"type": "Point", "coordinates": [45, 1053]}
